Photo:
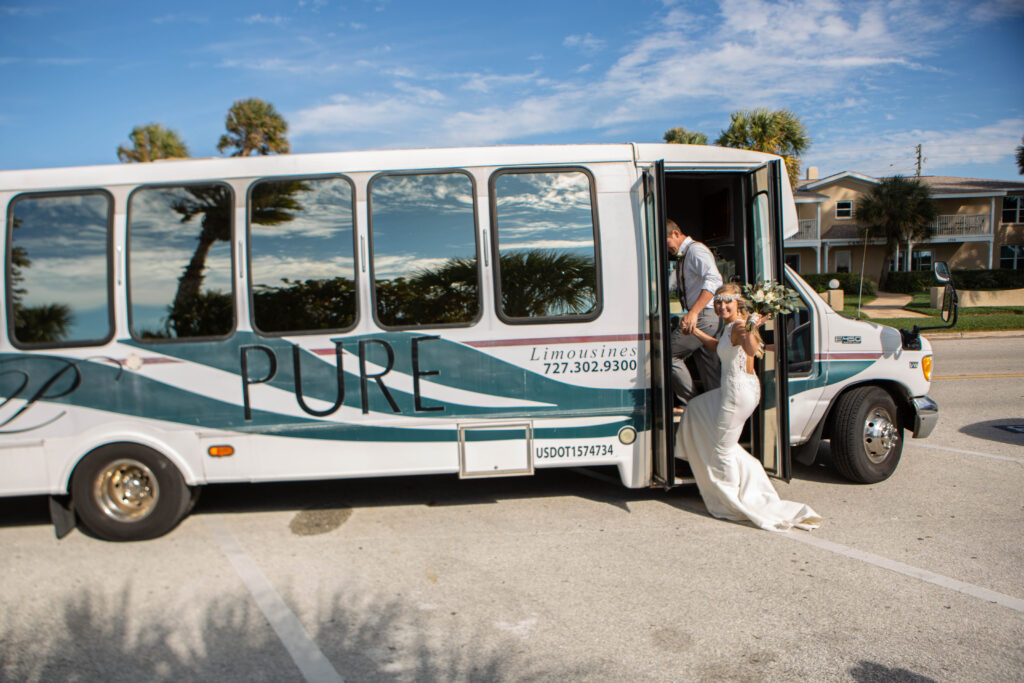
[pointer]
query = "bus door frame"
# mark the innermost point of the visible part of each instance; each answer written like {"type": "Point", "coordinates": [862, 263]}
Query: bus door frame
{"type": "Point", "coordinates": [763, 237]}
{"type": "Point", "coordinates": [663, 464]}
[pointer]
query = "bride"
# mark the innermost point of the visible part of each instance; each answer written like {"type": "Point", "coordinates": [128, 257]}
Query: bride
{"type": "Point", "coordinates": [732, 482]}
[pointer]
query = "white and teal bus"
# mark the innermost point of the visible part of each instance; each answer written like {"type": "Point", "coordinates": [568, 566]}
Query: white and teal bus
{"type": "Point", "coordinates": [481, 312]}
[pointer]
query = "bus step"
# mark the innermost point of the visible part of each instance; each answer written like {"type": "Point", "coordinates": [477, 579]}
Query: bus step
{"type": "Point", "coordinates": [680, 481]}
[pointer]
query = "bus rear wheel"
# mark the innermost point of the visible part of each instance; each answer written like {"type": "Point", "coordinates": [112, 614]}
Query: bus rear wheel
{"type": "Point", "coordinates": [867, 437]}
{"type": "Point", "coordinates": [128, 492]}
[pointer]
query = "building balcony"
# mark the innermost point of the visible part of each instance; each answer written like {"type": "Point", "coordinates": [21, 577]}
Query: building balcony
{"type": "Point", "coordinates": [961, 225]}
{"type": "Point", "coordinates": [806, 230]}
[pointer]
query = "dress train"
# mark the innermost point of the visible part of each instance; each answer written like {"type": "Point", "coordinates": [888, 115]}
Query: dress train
{"type": "Point", "coordinates": [732, 482]}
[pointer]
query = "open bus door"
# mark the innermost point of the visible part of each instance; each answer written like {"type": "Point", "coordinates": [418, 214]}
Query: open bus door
{"type": "Point", "coordinates": [660, 356]}
{"type": "Point", "coordinates": [764, 235]}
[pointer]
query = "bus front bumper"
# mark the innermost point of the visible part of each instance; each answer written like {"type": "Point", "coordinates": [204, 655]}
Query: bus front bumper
{"type": "Point", "coordinates": [926, 415]}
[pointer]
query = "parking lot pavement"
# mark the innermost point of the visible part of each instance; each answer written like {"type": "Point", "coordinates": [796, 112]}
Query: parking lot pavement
{"type": "Point", "coordinates": [554, 576]}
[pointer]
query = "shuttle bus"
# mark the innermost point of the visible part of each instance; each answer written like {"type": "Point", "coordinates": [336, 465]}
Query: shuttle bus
{"type": "Point", "coordinates": [482, 312]}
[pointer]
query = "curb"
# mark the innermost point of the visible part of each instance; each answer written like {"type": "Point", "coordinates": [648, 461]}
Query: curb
{"type": "Point", "coordinates": [973, 334]}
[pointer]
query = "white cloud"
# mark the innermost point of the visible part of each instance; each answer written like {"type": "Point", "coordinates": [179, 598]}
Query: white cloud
{"type": "Point", "coordinates": [485, 83]}
{"type": "Point", "coordinates": [366, 112]}
{"type": "Point", "coordinates": [179, 18]}
{"type": "Point", "coordinates": [278, 64]}
{"type": "Point", "coordinates": [809, 55]}
{"type": "Point", "coordinates": [585, 43]}
{"type": "Point", "coordinates": [893, 152]}
{"type": "Point", "coordinates": [275, 20]}
{"type": "Point", "coordinates": [996, 9]}
{"type": "Point", "coordinates": [549, 244]}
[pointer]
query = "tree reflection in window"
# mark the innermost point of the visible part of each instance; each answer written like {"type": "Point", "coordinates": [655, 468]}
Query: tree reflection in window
{"type": "Point", "coordinates": [303, 271]}
{"type": "Point", "coordinates": [545, 228]}
{"type": "Point", "coordinates": [58, 269]}
{"type": "Point", "coordinates": [423, 232]}
{"type": "Point", "coordinates": [180, 282]}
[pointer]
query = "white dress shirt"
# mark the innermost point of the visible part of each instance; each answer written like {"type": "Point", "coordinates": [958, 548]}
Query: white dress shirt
{"type": "Point", "coordinates": [699, 271]}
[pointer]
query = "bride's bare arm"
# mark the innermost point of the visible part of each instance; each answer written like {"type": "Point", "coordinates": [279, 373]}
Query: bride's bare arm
{"type": "Point", "coordinates": [741, 337]}
{"type": "Point", "coordinates": [705, 339]}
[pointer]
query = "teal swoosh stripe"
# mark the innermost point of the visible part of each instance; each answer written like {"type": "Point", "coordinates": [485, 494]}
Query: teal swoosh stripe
{"type": "Point", "coordinates": [838, 371]}
{"type": "Point", "coordinates": [103, 386]}
{"type": "Point", "coordinates": [460, 367]}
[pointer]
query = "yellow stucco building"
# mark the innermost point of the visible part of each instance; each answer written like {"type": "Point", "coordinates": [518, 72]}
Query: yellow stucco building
{"type": "Point", "coordinates": [980, 225]}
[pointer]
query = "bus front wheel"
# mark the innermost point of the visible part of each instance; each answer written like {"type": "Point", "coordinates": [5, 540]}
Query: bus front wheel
{"type": "Point", "coordinates": [867, 437]}
{"type": "Point", "coordinates": [128, 492]}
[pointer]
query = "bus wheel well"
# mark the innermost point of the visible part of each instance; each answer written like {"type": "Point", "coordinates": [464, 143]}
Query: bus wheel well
{"type": "Point", "coordinates": [896, 391]}
{"type": "Point", "coordinates": [866, 433]}
{"type": "Point", "coordinates": [126, 491]}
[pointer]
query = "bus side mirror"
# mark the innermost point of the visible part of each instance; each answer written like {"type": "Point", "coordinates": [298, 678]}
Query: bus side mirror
{"type": "Point", "coordinates": [948, 312]}
{"type": "Point", "coordinates": [948, 297]}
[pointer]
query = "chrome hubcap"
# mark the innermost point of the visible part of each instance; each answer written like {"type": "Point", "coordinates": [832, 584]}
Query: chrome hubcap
{"type": "Point", "coordinates": [126, 490]}
{"type": "Point", "coordinates": [880, 435]}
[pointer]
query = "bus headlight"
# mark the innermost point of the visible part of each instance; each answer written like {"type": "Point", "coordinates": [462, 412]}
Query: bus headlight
{"type": "Point", "coordinates": [926, 368]}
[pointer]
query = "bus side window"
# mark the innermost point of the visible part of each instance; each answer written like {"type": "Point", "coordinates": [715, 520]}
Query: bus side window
{"type": "Point", "coordinates": [58, 269]}
{"type": "Point", "coordinates": [545, 236]}
{"type": "Point", "coordinates": [423, 240]}
{"type": "Point", "coordinates": [301, 249]}
{"type": "Point", "coordinates": [799, 351]}
{"type": "Point", "coordinates": [180, 282]}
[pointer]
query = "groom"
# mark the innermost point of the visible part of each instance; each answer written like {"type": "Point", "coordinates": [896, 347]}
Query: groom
{"type": "Point", "coordinates": [695, 279]}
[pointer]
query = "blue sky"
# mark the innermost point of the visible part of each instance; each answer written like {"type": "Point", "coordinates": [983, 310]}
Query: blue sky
{"type": "Point", "coordinates": [869, 79]}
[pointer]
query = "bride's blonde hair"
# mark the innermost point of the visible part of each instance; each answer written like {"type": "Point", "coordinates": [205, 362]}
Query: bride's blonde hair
{"type": "Point", "coordinates": [743, 310]}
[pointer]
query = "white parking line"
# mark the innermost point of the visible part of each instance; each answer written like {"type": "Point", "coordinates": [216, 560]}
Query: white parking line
{"type": "Point", "coordinates": [923, 574]}
{"type": "Point", "coordinates": [963, 452]}
{"type": "Point", "coordinates": [312, 663]}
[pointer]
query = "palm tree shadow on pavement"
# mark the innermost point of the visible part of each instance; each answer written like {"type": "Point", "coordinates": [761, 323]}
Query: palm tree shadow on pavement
{"type": "Point", "coordinates": [124, 637]}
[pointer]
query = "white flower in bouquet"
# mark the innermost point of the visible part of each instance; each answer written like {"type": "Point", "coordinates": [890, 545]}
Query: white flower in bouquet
{"type": "Point", "coordinates": [769, 299]}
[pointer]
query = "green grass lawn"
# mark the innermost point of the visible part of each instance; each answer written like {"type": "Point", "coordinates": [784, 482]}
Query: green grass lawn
{"type": "Point", "coordinates": [969, 320]}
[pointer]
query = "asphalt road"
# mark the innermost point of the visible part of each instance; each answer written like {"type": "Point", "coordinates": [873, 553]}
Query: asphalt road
{"type": "Point", "coordinates": [558, 576]}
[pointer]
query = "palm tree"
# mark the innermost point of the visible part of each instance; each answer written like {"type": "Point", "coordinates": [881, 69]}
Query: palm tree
{"type": "Point", "coordinates": [681, 136]}
{"type": "Point", "coordinates": [42, 323]}
{"type": "Point", "coordinates": [777, 132]}
{"type": "Point", "coordinates": [272, 203]}
{"type": "Point", "coordinates": [34, 324]}
{"type": "Point", "coordinates": [1020, 155]}
{"type": "Point", "coordinates": [546, 282]}
{"type": "Point", "coordinates": [152, 142]}
{"type": "Point", "coordinates": [899, 210]}
{"type": "Point", "coordinates": [254, 126]}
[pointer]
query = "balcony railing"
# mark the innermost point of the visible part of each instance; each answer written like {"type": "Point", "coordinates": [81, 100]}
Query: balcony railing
{"type": "Point", "coordinates": [950, 225]}
{"type": "Point", "coordinates": [807, 230]}
{"type": "Point", "coordinates": [960, 225]}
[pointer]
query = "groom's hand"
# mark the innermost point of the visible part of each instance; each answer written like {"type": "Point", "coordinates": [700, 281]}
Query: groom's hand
{"type": "Point", "coordinates": [689, 323]}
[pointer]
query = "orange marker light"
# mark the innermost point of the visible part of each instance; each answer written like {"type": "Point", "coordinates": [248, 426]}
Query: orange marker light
{"type": "Point", "coordinates": [926, 367]}
{"type": "Point", "coordinates": [221, 451]}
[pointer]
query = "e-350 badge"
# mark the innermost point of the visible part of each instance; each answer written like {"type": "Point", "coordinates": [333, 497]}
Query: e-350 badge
{"type": "Point", "coordinates": [848, 339]}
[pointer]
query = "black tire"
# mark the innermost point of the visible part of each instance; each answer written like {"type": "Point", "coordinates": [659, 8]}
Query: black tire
{"type": "Point", "coordinates": [128, 492]}
{"type": "Point", "coordinates": [867, 437]}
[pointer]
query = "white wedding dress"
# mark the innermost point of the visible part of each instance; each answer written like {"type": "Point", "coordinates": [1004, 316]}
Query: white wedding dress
{"type": "Point", "coordinates": [732, 482]}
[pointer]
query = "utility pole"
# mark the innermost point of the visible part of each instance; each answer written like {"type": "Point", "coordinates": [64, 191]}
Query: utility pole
{"type": "Point", "coordinates": [920, 159]}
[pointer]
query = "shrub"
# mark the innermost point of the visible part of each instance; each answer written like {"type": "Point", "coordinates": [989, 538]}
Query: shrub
{"type": "Point", "coordinates": [988, 279]}
{"type": "Point", "coordinates": [848, 282]}
{"type": "Point", "coordinates": [904, 282]}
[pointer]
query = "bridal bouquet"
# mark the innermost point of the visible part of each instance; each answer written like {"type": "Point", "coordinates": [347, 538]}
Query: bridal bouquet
{"type": "Point", "coordinates": [769, 298]}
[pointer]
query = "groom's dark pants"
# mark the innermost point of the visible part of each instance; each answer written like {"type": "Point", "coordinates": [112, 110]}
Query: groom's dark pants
{"type": "Point", "coordinates": [706, 360]}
